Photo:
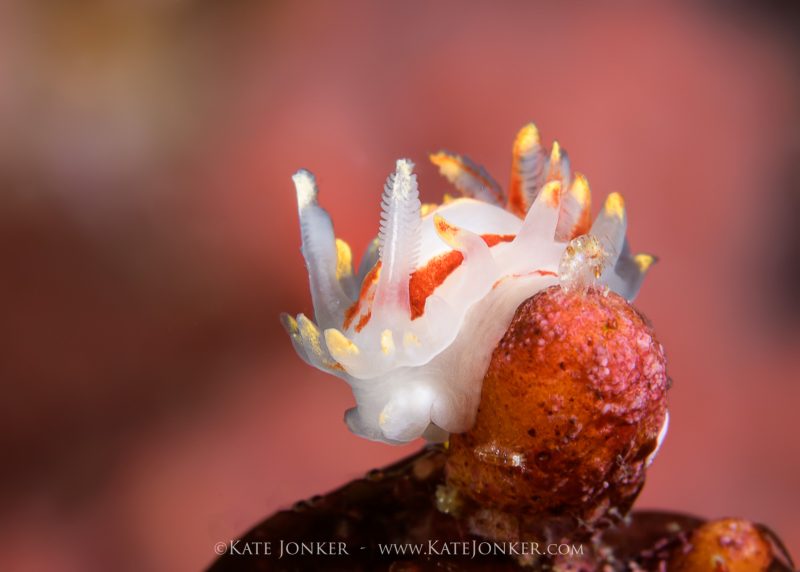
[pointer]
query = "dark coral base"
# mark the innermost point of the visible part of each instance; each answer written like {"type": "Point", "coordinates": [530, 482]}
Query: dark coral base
{"type": "Point", "coordinates": [397, 505]}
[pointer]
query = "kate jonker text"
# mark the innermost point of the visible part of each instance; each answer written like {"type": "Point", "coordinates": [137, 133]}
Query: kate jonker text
{"type": "Point", "coordinates": [470, 549]}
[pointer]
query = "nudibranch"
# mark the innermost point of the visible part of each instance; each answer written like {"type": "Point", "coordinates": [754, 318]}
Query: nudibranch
{"type": "Point", "coordinates": [413, 329]}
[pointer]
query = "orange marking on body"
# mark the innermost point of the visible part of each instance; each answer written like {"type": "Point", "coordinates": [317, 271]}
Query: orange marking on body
{"type": "Point", "coordinates": [495, 239]}
{"type": "Point", "coordinates": [363, 321]}
{"type": "Point", "coordinates": [583, 226]}
{"type": "Point", "coordinates": [425, 280]}
{"type": "Point", "coordinates": [350, 314]}
{"type": "Point", "coordinates": [441, 225]}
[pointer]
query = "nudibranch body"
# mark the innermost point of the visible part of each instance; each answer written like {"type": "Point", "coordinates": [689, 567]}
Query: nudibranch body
{"type": "Point", "coordinates": [413, 330]}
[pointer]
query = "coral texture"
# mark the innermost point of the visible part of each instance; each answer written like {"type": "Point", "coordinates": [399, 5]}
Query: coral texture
{"type": "Point", "coordinates": [573, 410]}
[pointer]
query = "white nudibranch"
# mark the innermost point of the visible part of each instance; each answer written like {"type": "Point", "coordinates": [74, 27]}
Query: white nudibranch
{"type": "Point", "coordinates": [413, 330]}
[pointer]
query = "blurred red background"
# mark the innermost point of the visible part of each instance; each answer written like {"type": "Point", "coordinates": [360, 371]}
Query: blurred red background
{"type": "Point", "coordinates": [151, 403]}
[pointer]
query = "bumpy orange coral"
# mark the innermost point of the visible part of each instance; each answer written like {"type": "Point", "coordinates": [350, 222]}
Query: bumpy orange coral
{"type": "Point", "coordinates": [726, 545]}
{"type": "Point", "coordinates": [572, 410]}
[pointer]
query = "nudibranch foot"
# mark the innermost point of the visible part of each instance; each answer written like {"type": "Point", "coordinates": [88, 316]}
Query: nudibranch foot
{"type": "Point", "coordinates": [413, 329]}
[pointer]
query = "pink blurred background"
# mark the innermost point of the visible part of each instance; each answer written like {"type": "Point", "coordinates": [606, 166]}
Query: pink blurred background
{"type": "Point", "coordinates": [151, 403]}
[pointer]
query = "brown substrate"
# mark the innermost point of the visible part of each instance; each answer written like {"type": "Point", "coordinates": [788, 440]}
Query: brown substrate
{"type": "Point", "coordinates": [397, 507]}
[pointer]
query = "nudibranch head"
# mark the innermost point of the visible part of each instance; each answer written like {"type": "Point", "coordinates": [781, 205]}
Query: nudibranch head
{"type": "Point", "coordinates": [413, 329]}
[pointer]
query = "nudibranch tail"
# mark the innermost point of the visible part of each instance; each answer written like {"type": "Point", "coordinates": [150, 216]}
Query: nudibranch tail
{"type": "Point", "coordinates": [413, 330]}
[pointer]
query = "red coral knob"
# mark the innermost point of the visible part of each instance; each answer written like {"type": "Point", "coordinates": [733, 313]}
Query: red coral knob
{"type": "Point", "coordinates": [573, 407]}
{"type": "Point", "coordinates": [727, 545]}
